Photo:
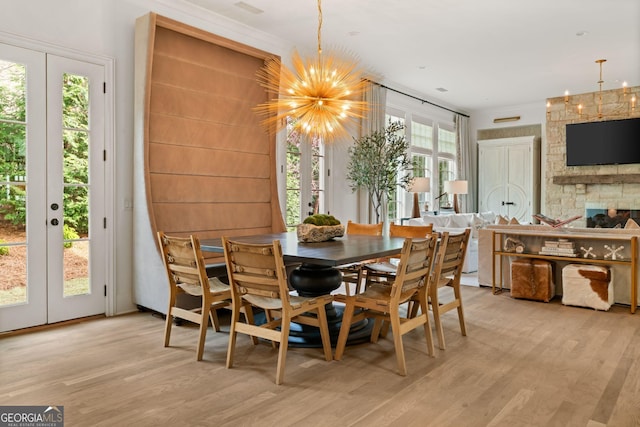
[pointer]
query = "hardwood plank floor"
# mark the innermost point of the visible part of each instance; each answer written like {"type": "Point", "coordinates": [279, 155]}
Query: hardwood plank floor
{"type": "Point", "coordinates": [523, 363]}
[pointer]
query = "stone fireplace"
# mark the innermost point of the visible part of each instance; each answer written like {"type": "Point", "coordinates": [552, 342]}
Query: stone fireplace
{"type": "Point", "coordinates": [573, 190]}
{"type": "Point", "coordinates": [599, 217]}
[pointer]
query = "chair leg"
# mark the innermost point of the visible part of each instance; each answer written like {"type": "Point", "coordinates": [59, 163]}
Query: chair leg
{"type": "Point", "coordinates": [412, 309]}
{"type": "Point", "coordinates": [397, 340]}
{"type": "Point", "coordinates": [204, 324]}
{"type": "Point", "coordinates": [435, 308]}
{"type": "Point", "coordinates": [375, 331]}
{"type": "Point", "coordinates": [427, 323]}
{"type": "Point", "coordinates": [282, 352]}
{"type": "Point", "coordinates": [214, 319]}
{"type": "Point", "coordinates": [235, 318]}
{"type": "Point", "coordinates": [347, 315]}
{"type": "Point", "coordinates": [167, 326]}
{"type": "Point", "coordinates": [248, 317]}
{"type": "Point", "coordinates": [269, 317]}
{"type": "Point", "coordinates": [324, 333]}
{"type": "Point", "coordinates": [359, 279]}
{"type": "Point", "coordinates": [458, 295]}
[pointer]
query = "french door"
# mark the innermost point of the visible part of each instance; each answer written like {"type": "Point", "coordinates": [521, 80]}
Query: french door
{"type": "Point", "coordinates": [52, 188]}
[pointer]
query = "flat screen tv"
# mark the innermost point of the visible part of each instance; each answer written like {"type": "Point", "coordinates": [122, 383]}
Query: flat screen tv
{"type": "Point", "coordinates": [610, 142]}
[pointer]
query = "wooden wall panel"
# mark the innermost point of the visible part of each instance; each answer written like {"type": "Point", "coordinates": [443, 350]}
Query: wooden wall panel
{"type": "Point", "coordinates": [197, 77]}
{"type": "Point", "coordinates": [172, 101]}
{"type": "Point", "coordinates": [198, 133]}
{"type": "Point", "coordinates": [181, 160]}
{"type": "Point", "coordinates": [197, 217]}
{"type": "Point", "coordinates": [209, 165]}
{"type": "Point", "coordinates": [206, 189]}
{"type": "Point", "coordinates": [174, 43]}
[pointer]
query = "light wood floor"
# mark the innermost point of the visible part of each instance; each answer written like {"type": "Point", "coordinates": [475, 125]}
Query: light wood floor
{"type": "Point", "coordinates": [523, 364]}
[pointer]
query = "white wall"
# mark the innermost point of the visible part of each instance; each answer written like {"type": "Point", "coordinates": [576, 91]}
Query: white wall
{"type": "Point", "coordinates": [530, 114]}
{"type": "Point", "coordinates": [106, 28]}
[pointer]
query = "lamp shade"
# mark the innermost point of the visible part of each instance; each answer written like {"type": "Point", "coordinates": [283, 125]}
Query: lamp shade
{"type": "Point", "coordinates": [420, 185]}
{"type": "Point", "coordinates": [456, 187]}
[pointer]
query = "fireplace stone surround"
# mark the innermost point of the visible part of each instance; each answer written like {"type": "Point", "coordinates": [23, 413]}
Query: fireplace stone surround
{"type": "Point", "coordinates": [571, 190]}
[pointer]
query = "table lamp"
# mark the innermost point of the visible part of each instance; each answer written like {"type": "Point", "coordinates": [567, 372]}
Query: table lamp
{"type": "Point", "coordinates": [455, 188]}
{"type": "Point", "coordinates": [419, 185]}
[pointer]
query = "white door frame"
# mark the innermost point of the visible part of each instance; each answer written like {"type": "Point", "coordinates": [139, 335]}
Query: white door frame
{"type": "Point", "coordinates": [109, 143]}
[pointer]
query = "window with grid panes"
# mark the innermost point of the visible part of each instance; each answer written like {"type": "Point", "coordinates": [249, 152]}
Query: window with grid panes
{"type": "Point", "coordinates": [421, 139]}
{"type": "Point", "coordinates": [395, 203]}
{"type": "Point", "coordinates": [305, 177]}
{"type": "Point", "coordinates": [446, 162]}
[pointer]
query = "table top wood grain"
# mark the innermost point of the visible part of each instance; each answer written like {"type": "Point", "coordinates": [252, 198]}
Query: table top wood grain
{"type": "Point", "coordinates": [338, 251]}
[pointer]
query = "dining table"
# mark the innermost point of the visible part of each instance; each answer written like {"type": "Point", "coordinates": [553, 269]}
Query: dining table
{"type": "Point", "coordinates": [311, 269]}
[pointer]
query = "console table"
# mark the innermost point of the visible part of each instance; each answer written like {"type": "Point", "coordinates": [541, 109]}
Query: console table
{"type": "Point", "coordinates": [533, 241]}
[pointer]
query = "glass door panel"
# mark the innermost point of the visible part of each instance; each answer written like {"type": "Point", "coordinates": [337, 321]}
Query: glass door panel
{"type": "Point", "coordinates": [52, 185]}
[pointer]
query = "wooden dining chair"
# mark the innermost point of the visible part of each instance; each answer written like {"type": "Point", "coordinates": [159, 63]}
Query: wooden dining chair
{"type": "Point", "coordinates": [382, 301]}
{"type": "Point", "coordinates": [186, 273]}
{"type": "Point", "coordinates": [257, 275]}
{"type": "Point", "coordinates": [353, 273]}
{"type": "Point", "coordinates": [447, 272]}
{"type": "Point", "coordinates": [384, 270]}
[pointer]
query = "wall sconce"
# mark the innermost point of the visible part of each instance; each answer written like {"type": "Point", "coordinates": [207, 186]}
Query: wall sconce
{"type": "Point", "coordinates": [419, 185]}
{"type": "Point", "coordinates": [455, 188]}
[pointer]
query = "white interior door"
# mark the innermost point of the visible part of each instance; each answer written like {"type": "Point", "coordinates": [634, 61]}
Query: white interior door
{"type": "Point", "coordinates": [52, 213]}
{"type": "Point", "coordinates": [505, 177]}
{"type": "Point", "coordinates": [518, 185]}
{"type": "Point", "coordinates": [491, 179]}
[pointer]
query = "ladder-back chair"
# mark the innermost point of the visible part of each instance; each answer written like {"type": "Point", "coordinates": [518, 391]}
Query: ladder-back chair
{"type": "Point", "coordinates": [257, 275]}
{"type": "Point", "coordinates": [186, 272]}
{"type": "Point", "coordinates": [382, 301]}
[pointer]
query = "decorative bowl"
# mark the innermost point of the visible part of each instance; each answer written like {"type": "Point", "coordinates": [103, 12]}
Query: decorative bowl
{"type": "Point", "coordinates": [310, 233]}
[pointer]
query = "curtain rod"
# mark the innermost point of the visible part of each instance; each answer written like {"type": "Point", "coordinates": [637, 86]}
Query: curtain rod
{"type": "Point", "coordinates": [418, 99]}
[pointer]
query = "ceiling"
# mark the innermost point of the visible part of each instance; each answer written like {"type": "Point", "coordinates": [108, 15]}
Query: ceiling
{"type": "Point", "coordinates": [485, 54]}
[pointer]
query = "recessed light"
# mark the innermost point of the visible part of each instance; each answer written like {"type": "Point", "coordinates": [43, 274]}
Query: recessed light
{"type": "Point", "coordinates": [441, 89]}
{"type": "Point", "coordinates": [582, 33]}
{"type": "Point", "coordinates": [421, 67]}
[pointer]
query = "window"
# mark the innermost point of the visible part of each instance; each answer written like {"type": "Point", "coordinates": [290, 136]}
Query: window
{"type": "Point", "coordinates": [446, 163]}
{"type": "Point", "coordinates": [433, 154]}
{"type": "Point", "coordinates": [421, 139]}
{"type": "Point", "coordinates": [305, 185]}
{"type": "Point", "coordinates": [293, 203]}
{"type": "Point", "coordinates": [395, 203]}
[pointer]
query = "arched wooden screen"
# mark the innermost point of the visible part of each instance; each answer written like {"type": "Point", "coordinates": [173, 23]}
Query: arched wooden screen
{"type": "Point", "coordinates": [210, 168]}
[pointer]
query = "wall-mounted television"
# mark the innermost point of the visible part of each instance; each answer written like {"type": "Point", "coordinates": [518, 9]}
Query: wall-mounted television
{"type": "Point", "coordinates": [609, 142]}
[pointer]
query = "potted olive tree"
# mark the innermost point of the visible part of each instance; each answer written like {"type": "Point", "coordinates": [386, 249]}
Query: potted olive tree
{"type": "Point", "coordinates": [380, 162]}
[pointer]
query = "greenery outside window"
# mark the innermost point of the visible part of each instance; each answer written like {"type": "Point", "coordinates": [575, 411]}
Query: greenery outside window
{"type": "Point", "coordinates": [395, 203]}
{"type": "Point", "coordinates": [305, 178]}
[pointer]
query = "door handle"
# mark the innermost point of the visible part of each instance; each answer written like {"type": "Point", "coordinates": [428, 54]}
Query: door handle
{"type": "Point", "coordinates": [507, 203]}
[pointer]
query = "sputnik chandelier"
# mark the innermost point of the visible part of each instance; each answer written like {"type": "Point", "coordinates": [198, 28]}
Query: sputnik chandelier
{"type": "Point", "coordinates": [319, 95]}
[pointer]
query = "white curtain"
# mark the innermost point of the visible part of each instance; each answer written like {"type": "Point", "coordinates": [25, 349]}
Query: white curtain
{"type": "Point", "coordinates": [376, 98]}
{"type": "Point", "coordinates": [466, 163]}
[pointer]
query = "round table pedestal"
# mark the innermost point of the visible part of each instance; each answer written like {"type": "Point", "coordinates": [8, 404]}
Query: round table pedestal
{"type": "Point", "coordinates": [311, 280]}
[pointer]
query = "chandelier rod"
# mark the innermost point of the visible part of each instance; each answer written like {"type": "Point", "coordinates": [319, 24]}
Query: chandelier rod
{"type": "Point", "coordinates": [319, 26]}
